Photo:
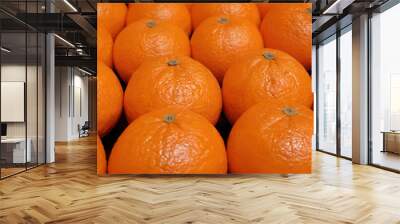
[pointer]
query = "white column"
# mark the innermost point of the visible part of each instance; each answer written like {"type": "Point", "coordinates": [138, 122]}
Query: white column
{"type": "Point", "coordinates": [314, 90]}
{"type": "Point", "coordinates": [50, 98]}
{"type": "Point", "coordinates": [360, 90]}
{"type": "Point", "coordinates": [63, 99]}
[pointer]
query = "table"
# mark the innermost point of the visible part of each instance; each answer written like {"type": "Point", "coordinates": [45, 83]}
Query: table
{"type": "Point", "coordinates": [391, 141]}
{"type": "Point", "coordinates": [17, 152]}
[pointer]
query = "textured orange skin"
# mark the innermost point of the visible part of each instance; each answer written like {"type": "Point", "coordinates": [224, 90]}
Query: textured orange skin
{"type": "Point", "coordinates": [217, 45]}
{"type": "Point", "coordinates": [104, 46]}
{"type": "Point", "coordinates": [101, 158]}
{"type": "Point", "coordinates": [263, 8]}
{"type": "Point", "coordinates": [112, 16]}
{"type": "Point", "coordinates": [255, 79]}
{"type": "Point", "coordinates": [109, 99]}
{"type": "Point", "coordinates": [289, 30]}
{"type": "Point", "coordinates": [188, 145]}
{"type": "Point", "coordinates": [189, 84]}
{"type": "Point", "coordinates": [138, 42]}
{"type": "Point", "coordinates": [176, 13]}
{"type": "Point", "coordinates": [202, 11]}
{"type": "Point", "coordinates": [189, 6]}
{"type": "Point", "coordinates": [267, 140]}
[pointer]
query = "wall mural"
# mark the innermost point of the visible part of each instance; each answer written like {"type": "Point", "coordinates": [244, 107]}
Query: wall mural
{"type": "Point", "coordinates": [206, 88]}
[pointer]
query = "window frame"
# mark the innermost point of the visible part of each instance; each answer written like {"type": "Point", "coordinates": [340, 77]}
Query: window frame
{"type": "Point", "coordinates": [334, 37]}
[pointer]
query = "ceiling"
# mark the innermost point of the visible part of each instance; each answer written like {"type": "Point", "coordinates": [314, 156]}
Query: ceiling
{"type": "Point", "coordinates": [58, 5]}
{"type": "Point", "coordinates": [75, 21]}
{"type": "Point", "coordinates": [16, 42]}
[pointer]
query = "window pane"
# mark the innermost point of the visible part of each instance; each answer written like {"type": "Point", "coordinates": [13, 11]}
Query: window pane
{"type": "Point", "coordinates": [385, 89]}
{"type": "Point", "coordinates": [14, 153]}
{"type": "Point", "coordinates": [346, 94]}
{"type": "Point", "coordinates": [327, 96]}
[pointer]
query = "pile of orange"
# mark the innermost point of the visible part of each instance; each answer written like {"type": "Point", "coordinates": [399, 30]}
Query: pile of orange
{"type": "Point", "coordinates": [174, 77]}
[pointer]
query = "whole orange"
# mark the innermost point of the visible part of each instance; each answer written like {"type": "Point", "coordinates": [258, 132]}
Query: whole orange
{"type": "Point", "coordinates": [271, 137]}
{"type": "Point", "coordinates": [169, 141]}
{"type": "Point", "coordinates": [101, 158]}
{"type": "Point", "coordinates": [221, 40]}
{"type": "Point", "coordinates": [176, 13]}
{"type": "Point", "coordinates": [104, 46]}
{"type": "Point", "coordinates": [112, 16]}
{"type": "Point", "coordinates": [290, 29]}
{"type": "Point", "coordinates": [202, 11]}
{"type": "Point", "coordinates": [145, 39]}
{"type": "Point", "coordinates": [173, 81]}
{"type": "Point", "coordinates": [109, 99]}
{"type": "Point", "coordinates": [265, 74]}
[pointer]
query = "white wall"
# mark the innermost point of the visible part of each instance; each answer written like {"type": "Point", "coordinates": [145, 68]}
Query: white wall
{"type": "Point", "coordinates": [71, 94]}
{"type": "Point", "coordinates": [33, 127]}
{"type": "Point", "coordinates": [82, 82]}
{"type": "Point", "coordinates": [62, 80]}
{"type": "Point", "coordinates": [15, 72]}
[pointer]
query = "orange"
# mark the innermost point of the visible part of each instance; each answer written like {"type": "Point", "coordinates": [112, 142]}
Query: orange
{"type": "Point", "coordinates": [112, 16]}
{"type": "Point", "coordinates": [220, 40]}
{"type": "Point", "coordinates": [104, 46]}
{"type": "Point", "coordinates": [173, 81]}
{"type": "Point", "coordinates": [169, 141]}
{"type": "Point", "coordinates": [189, 5]}
{"type": "Point", "coordinates": [202, 11]}
{"type": "Point", "coordinates": [290, 29]}
{"type": "Point", "coordinates": [266, 7]}
{"type": "Point", "coordinates": [263, 8]}
{"type": "Point", "coordinates": [176, 13]}
{"type": "Point", "coordinates": [109, 99]}
{"type": "Point", "coordinates": [101, 158]}
{"type": "Point", "coordinates": [265, 74]}
{"type": "Point", "coordinates": [146, 39]}
{"type": "Point", "coordinates": [271, 137]}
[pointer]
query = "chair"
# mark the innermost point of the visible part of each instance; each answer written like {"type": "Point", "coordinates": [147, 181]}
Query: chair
{"type": "Point", "coordinates": [84, 129]}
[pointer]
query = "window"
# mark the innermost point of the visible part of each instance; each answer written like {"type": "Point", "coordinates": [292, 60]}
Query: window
{"type": "Point", "coordinates": [333, 137]}
{"type": "Point", "coordinates": [346, 92]}
{"type": "Point", "coordinates": [327, 96]}
{"type": "Point", "coordinates": [22, 76]}
{"type": "Point", "coordinates": [385, 89]}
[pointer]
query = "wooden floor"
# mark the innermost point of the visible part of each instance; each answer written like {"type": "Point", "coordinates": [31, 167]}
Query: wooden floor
{"type": "Point", "coordinates": [70, 192]}
{"type": "Point", "coordinates": [387, 159]}
{"type": "Point", "coordinates": [10, 171]}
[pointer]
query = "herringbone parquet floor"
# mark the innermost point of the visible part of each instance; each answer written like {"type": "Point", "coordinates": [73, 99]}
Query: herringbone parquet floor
{"type": "Point", "coordinates": [70, 192]}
